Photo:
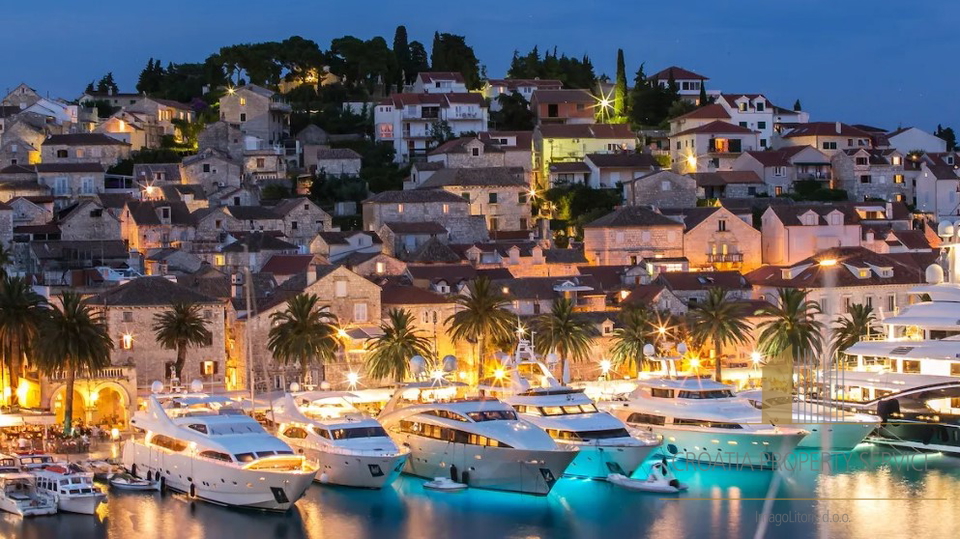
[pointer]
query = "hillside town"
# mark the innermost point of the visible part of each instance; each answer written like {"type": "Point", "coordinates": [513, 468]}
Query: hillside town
{"type": "Point", "coordinates": [262, 227]}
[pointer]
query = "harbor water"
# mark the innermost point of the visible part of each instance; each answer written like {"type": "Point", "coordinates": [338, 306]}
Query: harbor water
{"type": "Point", "coordinates": [870, 493]}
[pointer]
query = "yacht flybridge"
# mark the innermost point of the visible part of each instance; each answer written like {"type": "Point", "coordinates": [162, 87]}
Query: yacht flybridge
{"type": "Point", "coordinates": [605, 443]}
{"type": "Point", "coordinates": [348, 447]}
{"type": "Point", "coordinates": [702, 420]}
{"type": "Point", "coordinates": [206, 447]}
{"type": "Point", "coordinates": [477, 441]}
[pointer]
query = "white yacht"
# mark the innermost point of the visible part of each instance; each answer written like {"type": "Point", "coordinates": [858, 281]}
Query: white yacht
{"type": "Point", "coordinates": [206, 447]}
{"type": "Point", "coordinates": [702, 420]}
{"type": "Point", "coordinates": [605, 443]}
{"type": "Point", "coordinates": [348, 447]}
{"type": "Point", "coordinates": [71, 487]}
{"type": "Point", "coordinates": [830, 428]}
{"type": "Point", "coordinates": [476, 441]}
{"type": "Point", "coordinates": [18, 491]}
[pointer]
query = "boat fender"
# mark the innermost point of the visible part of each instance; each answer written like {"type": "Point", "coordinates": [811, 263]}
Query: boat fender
{"type": "Point", "coordinates": [163, 483]}
{"type": "Point", "coordinates": [193, 490]}
{"type": "Point", "coordinates": [465, 477]}
{"type": "Point", "coordinates": [453, 473]}
{"type": "Point", "coordinates": [675, 483]}
{"type": "Point", "coordinates": [133, 471]}
{"type": "Point", "coordinates": [324, 478]}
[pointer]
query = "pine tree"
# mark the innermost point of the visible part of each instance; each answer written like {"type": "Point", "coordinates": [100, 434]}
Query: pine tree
{"type": "Point", "coordinates": [401, 49]}
{"type": "Point", "coordinates": [703, 100]}
{"type": "Point", "coordinates": [796, 106]}
{"type": "Point", "coordinates": [620, 88]}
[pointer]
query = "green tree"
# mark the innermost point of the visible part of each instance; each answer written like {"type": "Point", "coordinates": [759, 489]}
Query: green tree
{"type": "Point", "coordinates": [179, 328]}
{"type": "Point", "coordinates": [6, 258]}
{"type": "Point", "coordinates": [514, 113]}
{"type": "Point", "coordinates": [388, 355]}
{"type": "Point", "coordinates": [620, 88]}
{"type": "Point", "coordinates": [632, 335]}
{"type": "Point", "coordinates": [450, 52]}
{"type": "Point", "coordinates": [419, 60]}
{"type": "Point", "coordinates": [401, 49]}
{"type": "Point", "coordinates": [304, 333]}
{"type": "Point", "coordinates": [563, 330]}
{"type": "Point", "coordinates": [106, 84]}
{"type": "Point", "coordinates": [849, 329]}
{"type": "Point", "coordinates": [440, 132]}
{"type": "Point", "coordinates": [796, 106]}
{"type": "Point", "coordinates": [719, 320]}
{"type": "Point", "coordinates": [703, 100]}
{"type": "Point", "coordinates": [21, 312]}
{"type": "Point", "coordinates": [73, 341]}
{"type": "Point", "coordinates": [481, 317]}
{"type": "Point", "coordinates": [649, 102]}
{"type": "Point", "coordinates": [791, 324]}
{"type": "Point", "coordinates": [947, 134]}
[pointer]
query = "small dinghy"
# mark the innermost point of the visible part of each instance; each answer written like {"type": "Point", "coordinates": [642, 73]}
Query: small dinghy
{"type": "Point", "coordinates": [125, 481]}
{"type": "Point", "coordinates": [660, 479]}
{"type": "Point", "coordinates": [444, 484]}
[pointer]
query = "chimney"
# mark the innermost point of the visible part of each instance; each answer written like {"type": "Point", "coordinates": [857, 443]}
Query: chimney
{"type": "Point", "coordinates": [838, 128]}
{"type": "Point", "coordinates": [889, 210]}
{"type": "Point", "coordinates": [236, 285]}
{"type": "Point", "coordinates": [311, 274]}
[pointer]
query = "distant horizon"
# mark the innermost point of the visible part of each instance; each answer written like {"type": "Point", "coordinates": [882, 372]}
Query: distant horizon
{"type": "Point", "coordinates": [856, 61]}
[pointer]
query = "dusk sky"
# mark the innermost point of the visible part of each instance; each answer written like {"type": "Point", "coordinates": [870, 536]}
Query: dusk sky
{"type": "Point", "coordinates": [884, 63]}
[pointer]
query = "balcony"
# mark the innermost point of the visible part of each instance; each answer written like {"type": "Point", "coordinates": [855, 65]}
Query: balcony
{"type": "Point", "coordinates": [818, 176]}
{"type": "Point", "coordinates": [110, 373]}
{"type": "Point", "coordinates": [281, 106]}
{"type": "Point", "coordinates": [729, 258]}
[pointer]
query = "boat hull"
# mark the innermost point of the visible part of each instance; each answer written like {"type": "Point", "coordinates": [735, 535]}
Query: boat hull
{"type": "Point", "coordinates": [215, 482]}
{"type": "Point", "coordinates": [84, 505]}
{"type": "Point", "coordinates": [732, 447]}
{"type": "Point", "coordinates": [360, 471]}
{"type": "Point", "coordinates": [921, 436]}
{"type": "Point", "coordinates": [494, 468]}
{"type": "Point", "coordinates": [25, 509]}
{"type": "Point", "coordinates": [839, 436]}
{"type": "Point", "coordinates": [597, 462]}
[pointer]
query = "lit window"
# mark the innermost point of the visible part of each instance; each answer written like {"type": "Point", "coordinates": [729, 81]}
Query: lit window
{"type": "Point", "coordinates": [381, 267]}
{"type": "Point", "coordinates": [399, 208]}
{"type": "Point", "coordinates": [446, 208]}
{"type": "Point", "coordinates": [126, 341]}
{"type": "Point", "coordinates": [208, 368]}
{"type": "Point", "coordinates": [243, 101]}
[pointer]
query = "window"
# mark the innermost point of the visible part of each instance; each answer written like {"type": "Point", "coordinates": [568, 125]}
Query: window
{"type": "Point", "coordinates": [359, 312]}
{"type": "Point", "coordinates": [898, 178]}
{"type": "Point", "coordinates": [743, 124]}
{"type": "Point", "coordinates": [761, 125]}
{"type": "Point", "coordinates": [243, 101]}
{"type": "Point", "coordinates": [722, 225]}
{"type": "Point", "coordinates": [742, 107]}
{"type": "Point", "coordinates": [522, 197]}
{"type": "Point", "coordinates": [955, 371]}
{"type": "Point", "coordinates": [891, 303]}
{"type": "Point", "coordinates": [62, 154]}
{"type": "Point", "coordinates": [829, 145]}
{"type": "Point", "coordinates": [294, 225]}
{"type": "Point", "coordinates": [206, 167]}
{"type": "Point", "coordinates": [494, 224]}
{"type": "Point", "coordinates": [128, 316]}
{"type": "Point", "coordinates": [446, 209]}
{"type": "Point", "coordinates": [340, 289]}
{"type": "Point", "coordinates": [492, 198]}
{"type": "Point", "coordinates": [126, 341]}
{"type": "Point", "coordinates": [475, 152]}
{"type": "Point", "coordinates": [866, 178]}
{"type": "Point", "coordinates": [911, 366]}
{"type": "Point", "coordinates": [763, 143]}
{"type": "Point", "coordinates": [645, 419]}
{"type": "Point", "coordinates": [536, 307]}
{"type": "Point", "coordinates": [661, 393]}
{"type": "Point", "coordinates": [381, 267]}
{"type": "Point", "coordinates": [261, 162]}
{"type": "Point", "coordinates": [778, 190]}
{"type": "Point", "coordinates": [862, 161]}
{"type": "Point", "coordinates": [665, 185]}
{"type": "Point", "coordinates": [399, 208]}
{"type": "Point", "coordinates": [243, 116]}
{"type": "Point", "coordinates": [523, 223]}
{"type": "Point", "coordinates": [466, 196]}
{"type": "Point", "coordinates": [295, 433]}
{"type": "Point", "coordinates": [779, 171]}
{"type": "Point", "coordinates": [208, 368]}
{"type": "Point", "coordinates": [80, 154]}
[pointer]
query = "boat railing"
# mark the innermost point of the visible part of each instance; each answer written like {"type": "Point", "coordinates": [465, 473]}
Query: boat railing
{"type": "Point", "coordinates": [346, 451]}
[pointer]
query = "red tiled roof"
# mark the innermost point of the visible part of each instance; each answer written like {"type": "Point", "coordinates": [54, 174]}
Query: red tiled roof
{"type": "Point", "coordinates": [563, 96]}
{"type": "Point", "coordinates": [612, 131]}
{"type": "Point", "coordinates": [725, 177]}
{"type": "Point", "coordinates": [288, 264]}
{"type": "Point", "coordinates": [716, 127]}
{"type": "Point", "coordinates": [409, 295]}
{"type": "Point", "coordinates": [524, 138]}
{"type": "Point", "coordinates": [906, 270]}
{"type": "Point", "coordinates": [83, 139]}
{"type": "Point", "coordinates": [712, 110]}
{"type": "Point", "coordinates": [678, 73]}
{"type": "Point", "coordinates": [702, 280]}
{"type": "Point", "coordinates": [826, 129]}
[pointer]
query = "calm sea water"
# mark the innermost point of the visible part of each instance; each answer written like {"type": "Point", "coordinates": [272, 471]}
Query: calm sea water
{"type": "Point", "coordinates": [872, 495]}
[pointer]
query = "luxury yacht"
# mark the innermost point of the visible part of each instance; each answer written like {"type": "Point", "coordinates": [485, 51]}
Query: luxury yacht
{"type": "Point", "coordinates": [18, 491]}
{"type": "Point", "coordinates": [348, 447]}
{"type": "Point", "coordinates": [605, 443]}
{"type": "Point", "coordinates": [72, 487]}
{"type": "Point", "coordinates": [830, 428]}
{"type": "Point", "coordinates": [206, 447]}
{"type": "Point", "coordinates": [477, 441]}
{"type": "Point", "coordinates": [700, 419]}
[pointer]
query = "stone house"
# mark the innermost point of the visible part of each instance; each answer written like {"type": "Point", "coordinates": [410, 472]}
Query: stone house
{"type": "Point", "coordinates": [83, 148]}
{"type": "Point", "coordinates": [251, 249]}
{"type": "Point", "coordinates": [494, 88]}
{"type": "Point", "coordinates": [258, 112]}
{"type": "Point", "coordinates": [522, 258]}
{"type": "Point", "coordinates": [130, 127]}
{"type": "Point", "coordinates": [264, 164]}
{"type": "Point", "coordinates": [403, 239]}
{"type": "Point", "coordinates": [872, 174]}
{"type": "Point", "coordinates": [150, 224]}
{"type": "Point", "coordinates": [662, 188]}
{"type": "Point", "coordinates": [439, 82]}
{"type": "Point", "coordinates": [501, 194]}
{"type": "Point", "coordinates": [29, 211]}
{"type": "Point", "coordinates": [490, 149]}
{"type": "Point", "coordinates": [336, 245]}
{"type": "Point", "coordinates": [828, 137]}
{"type": "Point", "coordinates": [779, 169]}
{"type": "Point", "coordinates": [165, 111]}
{"type": "Point", "coordinates": [573, 106]}
{"type": "Point", "coordinates": [242, 195]}
{"type": "Point", "coordinates": [70, 181]}
{"type": "Point", "coordinates": [222, 136]}
{"type": "Point", "coordinates": [729, 184]}
{"type": "Point", "coordinates": [710, 147]}
{"type": "Point", "coordinates": [255, 218]}
{"type": "Point", "coordinates": [88, 220]}
{"type": "Point", "coordinates": [714, 238]}
{"type": "Point", "coordinates": [795, 232]}
{"type": "Point", "coordinates": [130, 311]}
{"type": "Point", "coordinates": [373, 265]}
{"type": "Point", "coordinates": [419, 205]}
{"type": "Point", "coordinates": [285, 267]}
{"type": "Point", "coordinates": [311, 138]}
{"type": "Point", "coordinates": [692, 287]}
{"type": "Point", "coordinates": [300, 220]}
{"type": "Point", "coordinates": [430, 312]}
{"type": "Point", "coordinates": [559, 144]}
{"type": "Point", "coordinates": [609, 170]}
{"type": "Point", "coordinates": [335, 162]}
{"type": "Point", "coordinates": [536, 295]}
{"type": "Point", "coordinates": [16, 151]}
{"type": "Point", "coordinates": [629, 234]}
{"type": "Point", "coordinates": [212, 225]}
{"type": "Point", "coordinates": [212, 168]}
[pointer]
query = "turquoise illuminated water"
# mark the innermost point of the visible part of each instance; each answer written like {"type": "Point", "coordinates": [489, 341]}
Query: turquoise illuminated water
{"type": "Point", "coordinates": [872, 496]}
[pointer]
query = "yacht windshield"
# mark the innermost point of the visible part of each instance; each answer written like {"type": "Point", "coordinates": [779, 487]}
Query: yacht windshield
{"type": "Point", "coordinates": [493, 415]}
{"type": "Point", "coordinates": [358, 432]}
{"type": "Point", "coordinates": [710, 394]}
{"type": "Point", "coordinates": [569, 409]}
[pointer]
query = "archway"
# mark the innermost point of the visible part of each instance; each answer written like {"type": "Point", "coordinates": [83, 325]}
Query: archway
{"type": "Point", "coordinates": [109, 408]}
{"type": "Point", "coordinates": [59, 405]}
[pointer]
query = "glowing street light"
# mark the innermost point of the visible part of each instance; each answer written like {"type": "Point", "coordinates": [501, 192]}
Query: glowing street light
{"type": "Point", "coordinates": [353, 378]}
{"type": "Point", "coordinates": [605, 366]}
{"type": "Point", "coordinates": [437, 375]}
{"type": "Point", "coordinates": [342, 333]}
{"type": "Point", "coordinates": [756, 357]}
{"type": "Point", "coordinates": [499, 374]}
{"type": "Point", "coordinates": [828, 262]}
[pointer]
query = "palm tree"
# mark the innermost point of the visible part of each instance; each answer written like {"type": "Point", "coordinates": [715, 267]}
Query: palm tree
{"type": "Point", "coordinates": [6, 258]}
{"type": "Point", "coordinates": [21, 311]}
{"type": "Point", "coordinates": [564, 331]}
{"type": "Point", "coordinates": [721, 321]}
{"type": "Point", "coordinates": [73, 340]}
{"type": "Point", "coordinates": [791, 325]}
{"type": "Point", "coordinates": [180, 328]}
{"type": "Point", "coordinates": [389, 354]}
{"type": "Point", "coordinates": [634, 333]}
{"type": "Point", "coordinates": [482, 318]}
{"type": "Point", "coordinates": [849, 329]}
{"type": "Point", "coordinates": [304, 333]}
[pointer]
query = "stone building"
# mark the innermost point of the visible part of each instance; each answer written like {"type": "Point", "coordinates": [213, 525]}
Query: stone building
{"type": "Point", "coordinates": [491, 149]}
{"type": "Point", "coordinates": [88, 220]}
{"type": "Point", "coordinates": [154, 224]}
{"type": "Point", "coordinates": [714, 238]}
{"type": "Point", "coordinates": [872, 174]}
{"type": "Point", "coordinates": [223, 136]}
{"type": "Point", "coordinates": [83, 148]}
{"type": "Point", "coordinates": [130, 311]}
{"type": "Point", "coordinates": [211, 168]}
{"type": "Point", "coordinates": [501, 194]}
{"type": "Point", "coordinates": [334, 162]}
{"type": "Point", "coordinates": [663, 188]}
{"type": "Point", "coordinates": [258, 112]}
{"type": "Point", "coordinates": [629, 234]}
{"type": "Point", "coordinates": [419, 205]}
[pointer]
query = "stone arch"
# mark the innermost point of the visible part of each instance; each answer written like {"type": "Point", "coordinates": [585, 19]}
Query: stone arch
{"type": "Point", "coordinates": [110, 405]}
{"type": "Point", "coordinates": [58, 403]}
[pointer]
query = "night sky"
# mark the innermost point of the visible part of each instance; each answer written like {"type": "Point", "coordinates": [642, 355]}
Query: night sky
{"type": "Point", "coordinates": [881, 62]}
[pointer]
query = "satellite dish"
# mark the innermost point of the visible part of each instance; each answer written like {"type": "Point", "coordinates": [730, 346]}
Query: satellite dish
{"type": "Point", "coordinates": [156, 387]}
{"type": "Point", "coordinates": [649, 350]}
{"type": "Point", "coordinates": [418, 365]}
{"type": "Point", "coordinates": [682, 348]}
{"type": "Point", "coordinates": [294, 387]}
{"type": "Point", "coordinates": [934, 274]}
{"type": "Point", "coordinates": [552, 359]}
{"type": "Point", "coordinates": [945, 229]}
{"type": "Point", "coordinates": [325, 385]}
{"type": "Point", "coordinates": [196, 386]}
{"type": "Point", "coordinates": [449, 363]}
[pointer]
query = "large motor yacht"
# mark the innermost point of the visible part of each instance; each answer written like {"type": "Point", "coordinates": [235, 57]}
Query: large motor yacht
{"type": "Point", "coordinates": [702, 420]}
{"type": "Point", "coordinates": [206, 447]}
{"type": "Point", "coordinates": [606, 445]}
{"type": "Point", "coordinates": [830, 428]}
{"type": "Point", "coordinates": [348, 447]}
{"type": "Point", "coordinates": [474, 440]}
{"type": "Point", "coordinates": [18, 491]}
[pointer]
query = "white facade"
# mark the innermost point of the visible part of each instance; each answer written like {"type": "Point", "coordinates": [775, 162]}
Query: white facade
{"type": "Point", "coordinates": [407, 120]}
{"type": "Point", "coordinates": [752, 111]}
{"type": "Point", "coordinates": [910, 138]}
